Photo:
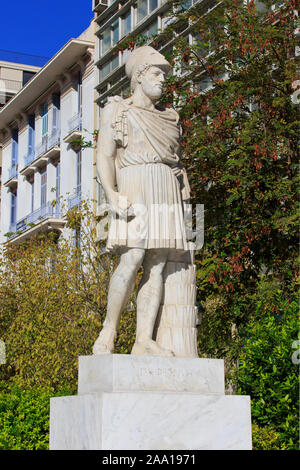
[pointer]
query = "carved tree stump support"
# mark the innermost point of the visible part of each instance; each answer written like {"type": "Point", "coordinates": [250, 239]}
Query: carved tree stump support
{"type": "Point", "coordinates": [177, 318]}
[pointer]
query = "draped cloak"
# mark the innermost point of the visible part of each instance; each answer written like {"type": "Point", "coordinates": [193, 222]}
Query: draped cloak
{"type": "Point", "coordinates": [146, 161]}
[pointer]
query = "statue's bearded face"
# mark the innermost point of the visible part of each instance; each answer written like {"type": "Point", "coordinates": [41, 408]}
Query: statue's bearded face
{"type": "Point", "coordinates": [152, 80]}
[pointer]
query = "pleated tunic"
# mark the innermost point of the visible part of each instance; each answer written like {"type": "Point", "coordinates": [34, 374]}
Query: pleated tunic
{"type": "Point", "coordinates": [147, 155]}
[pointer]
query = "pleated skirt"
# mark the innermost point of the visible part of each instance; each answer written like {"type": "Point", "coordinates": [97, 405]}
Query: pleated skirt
{"type": "Point", "coordinates": [156, 217]}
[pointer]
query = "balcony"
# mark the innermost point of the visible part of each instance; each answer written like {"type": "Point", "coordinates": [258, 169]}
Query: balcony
{"type": "Point", "coordinates": [12, 179]}
{"type": "Point", "coordinates": [53, 147]}
{"type": "Point", "coordinates": [74, 200]}
{"type": "Point", "coordinates": [43, 220]}
{"type": "Point", "coordinates": [74, 128]}
{"type": "Point", "coordinates": [28, 159]}
{"type": "Point", "coordinates": [100, 5]}
{"type": "Point", "coordinates": [49, 148]}
{"type": "Point", "coordinates": [10, 86]}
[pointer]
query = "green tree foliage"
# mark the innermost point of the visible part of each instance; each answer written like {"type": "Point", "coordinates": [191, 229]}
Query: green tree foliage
{"type": "Point", "coordinates": [236, 91]}
{"type": "Point", "coordinates": [52, 304]}
{"type": "Point", "coordinates": [236, 97]}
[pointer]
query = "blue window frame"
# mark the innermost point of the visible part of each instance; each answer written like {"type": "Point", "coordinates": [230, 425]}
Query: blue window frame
{"type": "Point", "coordinates": [79, 93]}
{"type": "Point", "coordinates": [14, 148]}
{"type": "Point", "coordinates": [57, 190]}
{"type": "Point", "coordinates": [13, 208]}
{"type": "Point", "coordinates": [44, 188]}
{"type": "Point", "coordinates": [44, 113]}
{"type": "Point", "coordinates": [32, 195]}
{"type": "Point", "coordinates": [31, 134]}
{"type": "Point", "coordinates": [55, 112]}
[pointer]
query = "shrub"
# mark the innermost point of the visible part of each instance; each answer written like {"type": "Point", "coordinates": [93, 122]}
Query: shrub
{"type": "Point", "coordinates": [24, 418]}
{"type": "Point", "coordinates": [267, 373]}
{"type": "Point", "coordinates": [265, 438]}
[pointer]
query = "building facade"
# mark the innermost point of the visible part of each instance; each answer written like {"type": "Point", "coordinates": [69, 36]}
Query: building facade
{"type": "Point", "coordinates": [41, 166]}
{"type": "Point", "coordinates": [116, 21]}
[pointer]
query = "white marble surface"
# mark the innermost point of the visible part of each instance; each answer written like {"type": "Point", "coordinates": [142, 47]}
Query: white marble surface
{"type": "Point", "coordinates": [146, 186]}
{"type": "Point", "coordinates": [75, 422]}
{"type": "Point", "coordinates": [150, 421]}
{"type": "Point", "coordinates": [120, 372]}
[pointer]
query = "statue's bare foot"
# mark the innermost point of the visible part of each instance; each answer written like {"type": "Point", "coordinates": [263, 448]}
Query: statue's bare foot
{"type": "Point", "coordinates": [105, 341]}
{"type": "Point", "coordinates": [150, 348]}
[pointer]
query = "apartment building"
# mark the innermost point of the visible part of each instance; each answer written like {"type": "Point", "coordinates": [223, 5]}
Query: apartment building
{"type": "Point", "coordinates": [13, 77]}
{"type": "Point", "coordinates": [41, 166]}
{"type": "Point", "coordinates": [117, 20]}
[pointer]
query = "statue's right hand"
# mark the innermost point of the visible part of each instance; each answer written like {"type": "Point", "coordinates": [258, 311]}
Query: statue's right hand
{"type": "Point", "coordinates": [119, 204]}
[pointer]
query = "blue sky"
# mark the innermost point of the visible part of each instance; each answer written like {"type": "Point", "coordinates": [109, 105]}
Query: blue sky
{"type": "Point", "coordinates": [41, 27]}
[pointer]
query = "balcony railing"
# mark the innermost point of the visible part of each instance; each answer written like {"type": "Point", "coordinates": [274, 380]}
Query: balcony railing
{"type": "Point", "coordinates": [74, 200]}
{"type": "Point", "coordinates": [75, 123]}
{"type": "Point", "coordinates": [42, 213]}
{"type": "Point", "coordinates": [12, 172]}
{"type": "Point", "coordinates": [35, 217]}
{"type": "Point", "coordinates": [49, 142]}
{"type": "Point", "coordinates": [29, 158]}
{"type": "Point", "coordinates": [41, 148]}
{"type": "Point", "coordinates": [10, 86]}
{"type": "Point", "coordinates": [54, 139]}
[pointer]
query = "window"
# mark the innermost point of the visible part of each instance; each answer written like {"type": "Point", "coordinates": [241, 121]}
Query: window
{"type": "Point", "coordinates": [152, 5]}
{"type": "Point", "coordinates": [32, 195]}
{"type": "Point", "coordinates": [109, 66]}
{"type": "Point", "coordinates": [57, 188]}
{"type": "Point", "coordinates": [57, 179]}
{"type": "Point", "coordinates": [151, 30]}
{"type": "Point", "coordinates": [110, 37]}
{"type": "Point", "coordinates": [79, 94]}
{"type": "Point", "coordinates": [204, 85]}
{"type": "Point", "coordinates": [144, 8]}
{"type": "Point", "coordinates": [14, 147]}
{"type": "Point", "coordinates": [106, 41]}
{"type": "Point", "coordinates": [13, 208]}
{"type": "Point", "coordinates": [44, 113]}
{"type": "Point", "coordinates": [27, 76]}
{"type": "Point", "coordinates": [31, 134]}
{"type": "Point", "coordinates": [55, 113]}
{"type": "Point", "coordinates": [126, 23]}
{"type": "Point", "coordinates": [186, 4]}
{"type": "Point", "coordinates": [115, 32]}
{"type": "Point", "coordinates": [44, 188]}
{"type": "Point", "coordinates": [204, 46]}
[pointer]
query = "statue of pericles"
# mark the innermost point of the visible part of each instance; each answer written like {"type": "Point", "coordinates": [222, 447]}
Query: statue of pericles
{"type": "Point", "coordinates": [145, 185]}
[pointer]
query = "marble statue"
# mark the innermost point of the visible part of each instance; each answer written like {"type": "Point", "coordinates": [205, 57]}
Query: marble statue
{"type": "Point", "coordinates": [145, 401]}
{"type": "Point", "coordinates": [146, 188]}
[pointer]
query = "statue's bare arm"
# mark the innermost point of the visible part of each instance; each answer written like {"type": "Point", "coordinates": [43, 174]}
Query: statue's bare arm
{"type": "Point", "coordinates": [106, 154]}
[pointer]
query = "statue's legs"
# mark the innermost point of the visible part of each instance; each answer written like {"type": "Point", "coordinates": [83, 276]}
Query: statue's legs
{"type": "Point", "coordinates": [120, 288]}
{"type": "Point", "coordinates": [148, 302]}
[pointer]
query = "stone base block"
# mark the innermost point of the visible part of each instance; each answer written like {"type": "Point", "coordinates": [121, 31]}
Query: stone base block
{"type": "Point", "coordinates": [124, 372]}
{"type": "Point", "coordinates": [150, 403]}
{"type": "Point", "coordinates": [150, 421]}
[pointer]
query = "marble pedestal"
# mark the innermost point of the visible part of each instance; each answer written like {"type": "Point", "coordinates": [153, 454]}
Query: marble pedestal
{"type": "Point", "coordinates": [150, 403]}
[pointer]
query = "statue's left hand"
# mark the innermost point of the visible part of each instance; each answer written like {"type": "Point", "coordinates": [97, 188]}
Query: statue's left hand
{"type": "Point", "coordinates": [177, 171]}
